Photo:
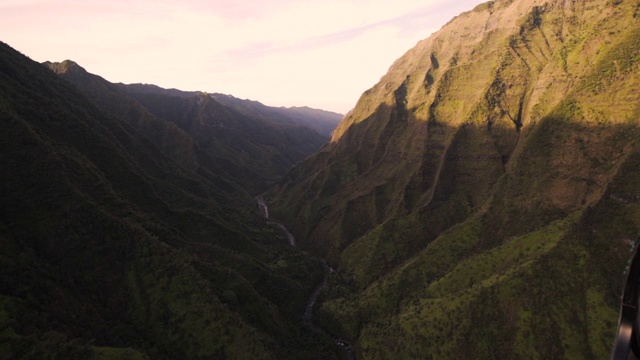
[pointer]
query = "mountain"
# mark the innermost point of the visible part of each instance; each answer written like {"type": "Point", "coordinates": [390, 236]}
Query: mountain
{"type": "Point", "coordinates": [324, 122]}
{"type": "Point", "coordinates": [248, 143]}
{"type": "Point", "coordinates": [174, 142]}
{"type": "Point", "coordinates": [480, 201]}
{"type": "Point", "coordinates": [113, 244]}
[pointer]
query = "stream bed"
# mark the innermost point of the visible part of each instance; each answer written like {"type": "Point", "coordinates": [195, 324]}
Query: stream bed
{"type": "Point", "coordinates": [308, 312]}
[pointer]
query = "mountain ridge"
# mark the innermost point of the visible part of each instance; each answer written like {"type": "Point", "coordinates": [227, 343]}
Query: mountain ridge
{"type": "Point", "coordinates": [233, 141]}
{"type": "Point", "coordinates": [109, 248]}
{"type": "Point", "coordinates": [514, 124]}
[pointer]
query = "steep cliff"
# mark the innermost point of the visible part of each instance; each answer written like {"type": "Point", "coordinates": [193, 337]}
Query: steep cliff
{"type": "Point", "coordinates": [480, 200]}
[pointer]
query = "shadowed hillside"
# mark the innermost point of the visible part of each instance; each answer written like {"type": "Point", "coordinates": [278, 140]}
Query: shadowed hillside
{"type": "Point", "coordinates": [115, 245]}
{"type": "Point", "coordinates": [480, 200]}
{"type": "Point", "coordinates": [241, 141]}
{"type": "Point", "coordinates": [324, 122]}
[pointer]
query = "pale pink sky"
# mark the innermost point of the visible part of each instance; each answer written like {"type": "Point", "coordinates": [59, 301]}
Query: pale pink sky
{"type": "Point", "coordinates": [318, 53]}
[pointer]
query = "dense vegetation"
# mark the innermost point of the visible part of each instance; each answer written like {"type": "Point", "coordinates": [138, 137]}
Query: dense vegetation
{"type": "Point", "coordinates": [116, 244]}
{"type": "Point", "coordinates": [243, 142]}
{"type": "Point", "coordinates": [481, 200]}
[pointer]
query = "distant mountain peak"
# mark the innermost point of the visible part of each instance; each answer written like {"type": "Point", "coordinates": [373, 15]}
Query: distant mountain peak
{"type": "Point", "coordinates": [67, 66]}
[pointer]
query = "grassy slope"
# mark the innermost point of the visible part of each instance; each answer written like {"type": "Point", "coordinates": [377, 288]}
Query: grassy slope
{"type": "Point", "coordinates": [490, 223]}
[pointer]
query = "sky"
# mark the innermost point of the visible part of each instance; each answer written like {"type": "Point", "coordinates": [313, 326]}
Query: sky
{"type": "Point", "coordinates": [317, 53]}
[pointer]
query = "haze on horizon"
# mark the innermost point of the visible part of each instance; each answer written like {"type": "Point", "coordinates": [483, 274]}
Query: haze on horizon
{"type": "Point", "coordinates": [318, 53]}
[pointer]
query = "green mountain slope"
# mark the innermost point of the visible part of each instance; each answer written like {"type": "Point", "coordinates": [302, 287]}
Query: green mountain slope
{"type": "Point", "coordinates": [324, 122]}
{"type": "Point", "coordinates": [167, 136]}
{"type": "Point", "coordinates": [110, 248]}
{"type": "Point", "coordinates": [242, 141]}
{"type": "Point", "coordinates": [481, 199]}
{"type": "Point", "coordinates": [220, 130]}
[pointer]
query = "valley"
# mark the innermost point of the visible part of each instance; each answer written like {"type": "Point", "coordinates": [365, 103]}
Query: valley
{"type": "Point", "coordinates": [311, 303]}
{"type": "Point", "coordinates": [481, 200]}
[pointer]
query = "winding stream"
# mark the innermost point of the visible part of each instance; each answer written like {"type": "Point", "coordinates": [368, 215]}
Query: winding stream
{"type": "Point", "coordinates": [308, 312]}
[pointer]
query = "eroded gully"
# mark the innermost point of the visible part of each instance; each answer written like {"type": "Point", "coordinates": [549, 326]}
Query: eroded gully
{"type": "Point", "coordinates": [308, 312]}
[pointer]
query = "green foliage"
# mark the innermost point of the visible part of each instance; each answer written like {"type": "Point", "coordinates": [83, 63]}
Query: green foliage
{"type": "Point", "coordinates": [462, 240]}
{"type": "Point", "coordinates": [240, 143]}
{"type": "Point", "coordinates": [614, 64]}
{"type": "Point", "coordinates": [453, 239]}
{"type": "Point", "coordinates": [111, 249]}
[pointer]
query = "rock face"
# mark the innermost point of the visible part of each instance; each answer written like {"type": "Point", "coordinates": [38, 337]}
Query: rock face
{"type": "Point", "coordinates": [480, 199]}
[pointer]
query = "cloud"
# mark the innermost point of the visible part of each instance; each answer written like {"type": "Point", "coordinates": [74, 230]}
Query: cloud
{"type": "Point", "coordinates": [407, 25]}
{"type": "Point", "coordinates": [281, 52]}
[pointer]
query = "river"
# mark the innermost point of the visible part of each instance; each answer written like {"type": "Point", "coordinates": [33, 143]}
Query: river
{"type": "Point", "coordinates": [308, 312]}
